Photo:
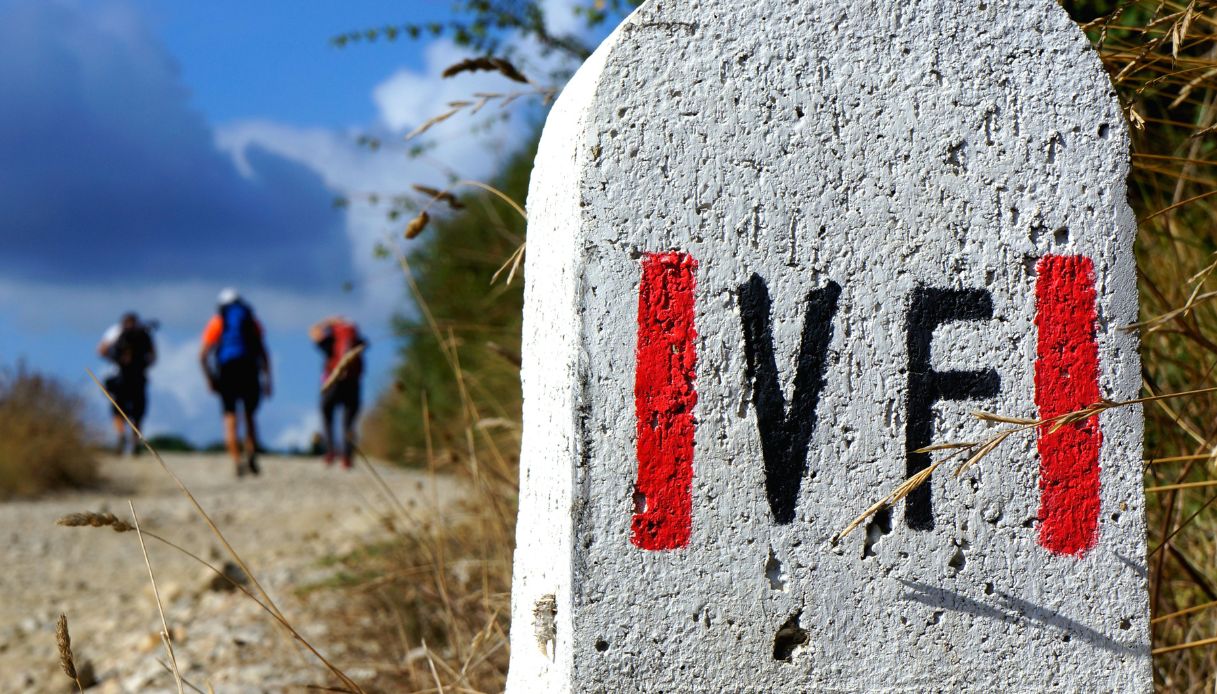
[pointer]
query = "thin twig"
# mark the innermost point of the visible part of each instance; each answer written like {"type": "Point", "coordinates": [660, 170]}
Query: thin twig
{"type": "Point", "coordinates": [185, 681]}
{"type": "Point", "coordinates": [340, 368]}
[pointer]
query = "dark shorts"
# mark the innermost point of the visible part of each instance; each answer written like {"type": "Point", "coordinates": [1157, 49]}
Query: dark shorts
{"type": "Point", "coordinates": [131, 394]}
{"type": "Point", "coordinates": [344, 393]}
{"type": "Point", "coordinates": [238, 382]}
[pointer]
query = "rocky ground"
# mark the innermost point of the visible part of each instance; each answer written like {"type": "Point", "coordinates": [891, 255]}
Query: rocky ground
{"type": "Point", "coordinates": [288, 524]}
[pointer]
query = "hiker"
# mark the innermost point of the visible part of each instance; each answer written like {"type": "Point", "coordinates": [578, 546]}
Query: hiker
{"type": "Point", "coordinates": [128, 346]}
{"type": "Point", "coordinates": [339, 339]}
{"type": "Point", "coordinates": [237, 367]}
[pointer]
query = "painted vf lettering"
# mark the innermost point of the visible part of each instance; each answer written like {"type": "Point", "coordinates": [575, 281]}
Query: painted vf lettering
{"type": "Point", "coordinates": [786, 430]}
{"type": "Point", "coordinates": [665, 395]}
{"type": "Point", "coordinates": [928, 309]}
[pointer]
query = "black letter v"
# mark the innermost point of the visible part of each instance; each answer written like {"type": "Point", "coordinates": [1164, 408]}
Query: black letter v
{"type": "Point", "coordinates": [785, 435]}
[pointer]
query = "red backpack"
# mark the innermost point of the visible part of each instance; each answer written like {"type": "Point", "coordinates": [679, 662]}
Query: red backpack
{"type": "Point", "coordinates": [346, 337]}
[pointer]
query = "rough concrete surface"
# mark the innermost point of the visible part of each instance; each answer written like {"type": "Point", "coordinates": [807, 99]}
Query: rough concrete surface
{"type": "Point", "coordinates": [923, 158]}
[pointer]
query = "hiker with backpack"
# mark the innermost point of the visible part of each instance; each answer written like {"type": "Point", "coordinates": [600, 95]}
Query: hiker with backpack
{"type": "Point", "coordinates": [339, 339]}
{"type": "Point", "coordinates": [128, 346]}
{"type": "Point", "coordinates": [237, 367]}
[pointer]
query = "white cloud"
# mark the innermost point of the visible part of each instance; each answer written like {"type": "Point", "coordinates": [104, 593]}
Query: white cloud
{"type": "Point", "coordinates": [300, 434]}
{"type": "Point", "coordinates": [408, 98]}
{"type": "Point", "coordinates": [178, 375]}
{"type": "Point", "coordinates": [560, 18]}
{"type": "Point", "coordinates": [404, 99]}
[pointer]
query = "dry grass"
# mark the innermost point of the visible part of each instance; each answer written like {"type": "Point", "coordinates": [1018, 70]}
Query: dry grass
{"type": "Point", "coordinates": [261, 598]}
{"type": "Point", "coordinates": [67, 661]}
{"type": "Point", "coordinates": [44, 443]}
{"type": "Point", "coordinates": [439, 592]}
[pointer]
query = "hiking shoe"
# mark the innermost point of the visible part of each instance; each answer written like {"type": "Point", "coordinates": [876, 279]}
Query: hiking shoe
{"type": "Point", "coordinates": [252, 464]}
{"type": "Point", "coordinates": [346, 462]}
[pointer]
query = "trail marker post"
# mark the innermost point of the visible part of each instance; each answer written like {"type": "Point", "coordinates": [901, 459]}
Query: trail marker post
{"type": "Point", "coordinates": [776, 248]}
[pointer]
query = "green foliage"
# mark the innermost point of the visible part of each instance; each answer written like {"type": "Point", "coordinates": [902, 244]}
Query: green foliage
{"type": "Point", "coordinates": [44, 443]}
{"type": "Point", "coordinates": [478, 322]}
{"type": "Point", "coordinates": [171, 443]}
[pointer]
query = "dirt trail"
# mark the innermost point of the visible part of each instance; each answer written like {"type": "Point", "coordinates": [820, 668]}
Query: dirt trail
{"type": "Point", "coordinates": [284, 523]}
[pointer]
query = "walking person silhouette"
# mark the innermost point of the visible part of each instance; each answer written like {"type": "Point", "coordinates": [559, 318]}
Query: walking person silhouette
{"type": "Point", "coordinates": [128, 346]}
{"type": "Point", "coordinates": [236, 364]}
{"type": "Point", "coordinates": [341, 342]}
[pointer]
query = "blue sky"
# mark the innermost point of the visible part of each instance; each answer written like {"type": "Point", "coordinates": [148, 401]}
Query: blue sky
{"type": "Point", "coordinates": [154, 151]}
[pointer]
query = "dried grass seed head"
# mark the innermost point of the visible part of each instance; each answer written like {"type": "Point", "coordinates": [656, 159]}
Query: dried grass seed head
{"type": "Point", "coordinates": [416, 225]}
{"type": "Point", "coordinates": [93, 519]}
{"type": "Point", "coordinates": [486, 64]}
{"type": "Point", "coordinates": [64, 641]}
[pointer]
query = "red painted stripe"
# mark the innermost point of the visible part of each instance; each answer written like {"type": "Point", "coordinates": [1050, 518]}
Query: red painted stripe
{"type": "Point", "coordinates": [664, 397]}
{"type": "Point", "coordinates": [1067, 379]}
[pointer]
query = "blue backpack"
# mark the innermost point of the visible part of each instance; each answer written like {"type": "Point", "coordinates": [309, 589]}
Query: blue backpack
{"type": "Point", "coordinates": [239, 339]}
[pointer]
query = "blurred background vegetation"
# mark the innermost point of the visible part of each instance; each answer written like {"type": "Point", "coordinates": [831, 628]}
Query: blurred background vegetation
{"type": "Point", "coordinates": [44, 441]}
{"type": "Point", "coordinates": [476, 324]}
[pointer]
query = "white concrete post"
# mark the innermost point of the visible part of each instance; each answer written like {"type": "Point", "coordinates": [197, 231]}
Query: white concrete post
{"type": "Point", "coordinates": [774, 248]}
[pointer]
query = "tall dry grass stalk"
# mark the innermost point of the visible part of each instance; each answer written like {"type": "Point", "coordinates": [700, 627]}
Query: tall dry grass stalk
{"type": "Point", "coordinates": [440, 588]}
{"type": "Point", "coordinates": [160, 607]}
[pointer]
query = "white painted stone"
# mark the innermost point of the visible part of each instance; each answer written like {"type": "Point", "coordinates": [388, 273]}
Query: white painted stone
{"type": "Point", "coordinates": [879, 145]}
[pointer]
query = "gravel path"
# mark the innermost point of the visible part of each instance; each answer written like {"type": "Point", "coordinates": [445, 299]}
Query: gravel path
{"type": "Point", "coordinates": [284, 523]}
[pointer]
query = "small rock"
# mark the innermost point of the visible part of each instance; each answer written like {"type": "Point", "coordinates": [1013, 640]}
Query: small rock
{"type": "Point", "coordinates": [232, 574]}
{"type": "Point", "coordinates": [171, 591]}
{"type": "Point", "coordinates": [86, 673]}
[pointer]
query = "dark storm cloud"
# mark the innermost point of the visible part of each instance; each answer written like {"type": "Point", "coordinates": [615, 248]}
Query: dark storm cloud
{"type": "Point", "coordinates": [108, 175]}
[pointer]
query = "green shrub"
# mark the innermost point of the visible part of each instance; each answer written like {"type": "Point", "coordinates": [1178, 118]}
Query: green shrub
{"type": "Point", "coordinates": [171, 443]}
